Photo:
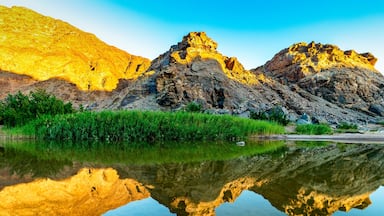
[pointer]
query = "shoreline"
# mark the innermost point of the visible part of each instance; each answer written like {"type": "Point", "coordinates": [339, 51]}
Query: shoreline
{"type": "Point", "coordinates": [363, 138]}
{"type": "Point", "coordinates": [377, 138]}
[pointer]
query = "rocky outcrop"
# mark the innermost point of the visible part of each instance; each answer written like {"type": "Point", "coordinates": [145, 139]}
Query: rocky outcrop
{"type": "Point", "coordinates": [319, 80]}
{"type": "Point", "coordinates": [193, 70]}
{"type": "Point", "coordinates": [198, 46]}
{"type": "Point", "coordinates": [322, 81]}
{"type": "Point", "coordinates": [345, 78]}
{"type": "Point", "coordinates": [302, 60]}
{"type": "Point", "coordinates": [45, 48]}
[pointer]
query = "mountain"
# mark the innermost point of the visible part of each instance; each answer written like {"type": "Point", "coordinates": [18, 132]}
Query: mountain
{"type": "Point", "coordinates": [320, 80]}
{"type": "Point", "coordinates": [45, 48]}
{"type": "Point", "coordinates": [345, 78]}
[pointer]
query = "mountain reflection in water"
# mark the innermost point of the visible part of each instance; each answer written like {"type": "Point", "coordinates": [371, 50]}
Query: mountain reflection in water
{"type": "Point", "coordinates": [296, 179]}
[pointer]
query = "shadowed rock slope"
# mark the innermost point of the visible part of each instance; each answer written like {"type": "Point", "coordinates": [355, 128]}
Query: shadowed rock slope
{"type": "Point", "coordinates": [45, 48]}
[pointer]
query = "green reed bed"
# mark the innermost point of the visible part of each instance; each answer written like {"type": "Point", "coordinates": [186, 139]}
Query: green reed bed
{"type": "Point", "coordinates": [314, 129]}
{"type": "Point", "coordinates": [139, 126]}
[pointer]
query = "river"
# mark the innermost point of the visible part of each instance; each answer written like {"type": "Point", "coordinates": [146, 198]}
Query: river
{"type": "Point", "coordinates": [261, 178]}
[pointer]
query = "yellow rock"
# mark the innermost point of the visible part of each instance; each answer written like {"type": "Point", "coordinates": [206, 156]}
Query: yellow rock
{"type": "Point", "coordinates": [45, 48]}
{"type": "Point", "coordinates": [199, 45]}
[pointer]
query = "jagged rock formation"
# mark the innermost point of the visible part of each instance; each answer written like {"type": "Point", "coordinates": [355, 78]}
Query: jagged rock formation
{"type": "Point", "coordinates": [193, 70]}
{"type": "Point", "coordinates": [198, 46]}
{"type": "Point", "coordinates": [45, 48]}
{"type": "Point", "coordinates": [301, 60]}
{"type": "Point", "coordinates": [320, 80]}
{"type": "Point", "coordinates": [345, 78]}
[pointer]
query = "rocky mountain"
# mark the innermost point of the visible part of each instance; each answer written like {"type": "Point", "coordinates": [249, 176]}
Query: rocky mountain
{"type": "Point", "coordinates": [345, 78]}
{"type": "Point", "coordinates": [45, 48]}
{"type": "Point", "coordinates": [321, 80]}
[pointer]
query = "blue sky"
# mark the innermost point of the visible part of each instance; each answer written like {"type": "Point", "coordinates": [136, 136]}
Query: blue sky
{"type": "Point", "coordinates": [253, 31]}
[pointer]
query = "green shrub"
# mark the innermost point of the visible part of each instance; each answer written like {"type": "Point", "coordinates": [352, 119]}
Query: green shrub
{"type": "Point", "coordinates": [19, 109]}
{"type": "Point", "coordinates": [193, 107]}
{"type": "Point", "coordinates": [347, 126]}
{"type": "Point", "coordinates": [314, 129]}
{"type": "Point", "coordinates": [275, 114]}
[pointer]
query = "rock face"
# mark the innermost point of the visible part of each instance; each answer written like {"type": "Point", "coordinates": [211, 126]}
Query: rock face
{"type": "Point", "coordinates": [193, 70]}
{"type": "Point", "coordinates": [45, 48]}
{"type": "Point", "coordinates": [11, 83]}
{"type": "Point", "coordinates": [322, 81]}
{"type": "Point", "coordinates": [302, 60]}
{"type": "Point", "coordinates": [319, 80]}
{"type": "Point", "coordinates": [345, 78]}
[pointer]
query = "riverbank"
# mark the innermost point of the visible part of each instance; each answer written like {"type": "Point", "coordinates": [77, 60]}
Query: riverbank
{"type": "Point", "coordinates": [343, 137]}
{"type": "Point", "coordinates": [145, 127]}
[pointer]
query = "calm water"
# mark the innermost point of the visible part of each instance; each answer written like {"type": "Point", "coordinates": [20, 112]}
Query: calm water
{"type": "Point", "coordinates": [274, 178]}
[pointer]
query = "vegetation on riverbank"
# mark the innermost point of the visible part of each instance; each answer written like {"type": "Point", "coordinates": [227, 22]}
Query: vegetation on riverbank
{"type": "Point", "coordinates": [346, 127]}
{"type": "Point", "coordinates": [314, 129]}
{"type": "Point", "coordinates": [18, 109]}
{"type": "Point", "coordinates": [145, 126]}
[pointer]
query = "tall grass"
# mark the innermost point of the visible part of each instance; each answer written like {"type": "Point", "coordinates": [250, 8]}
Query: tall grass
{"type": "Point", "coordinates": [139, 126]}
{"type": "Point", "coordinates": [314, 129]}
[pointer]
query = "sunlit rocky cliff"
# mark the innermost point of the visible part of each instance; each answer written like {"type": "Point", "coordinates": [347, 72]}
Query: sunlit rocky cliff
{"type": "Point", "coordinates": [321, 80]}
{"type": "Point", "coordinates": [45, 48]}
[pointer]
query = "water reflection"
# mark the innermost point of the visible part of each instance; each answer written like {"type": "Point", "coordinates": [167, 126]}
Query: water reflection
{"type": "Point", "coordinates": [296, 179]}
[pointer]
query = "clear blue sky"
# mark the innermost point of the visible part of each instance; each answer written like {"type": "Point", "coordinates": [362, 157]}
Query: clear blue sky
{"type": "Point", "coordinates": [251, 30]}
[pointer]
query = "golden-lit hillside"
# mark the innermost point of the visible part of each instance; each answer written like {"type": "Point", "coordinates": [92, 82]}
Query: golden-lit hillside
{"type": "Point", "coordinates": [198, 46]}
{"type": "Point", "coordinates": [301, 60]}
{"type": "Point", "coordinates": [45, 48]}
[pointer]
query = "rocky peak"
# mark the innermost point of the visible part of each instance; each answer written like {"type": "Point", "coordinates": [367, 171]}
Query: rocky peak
{"type": "Point", "coordinates": [197, 46]}
{"type": "Point", "coordinates": [45, 48]}
{"type": "Point", "coordinates": [196, 40]}
{"type": "Point", "coordinates": [302, 59]}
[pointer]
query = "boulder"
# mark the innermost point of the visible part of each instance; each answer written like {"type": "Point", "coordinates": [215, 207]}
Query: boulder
{"type": "Point", "coordinates": [304, 119]}
{"type": "Point", "coordinates": [377, 109]}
